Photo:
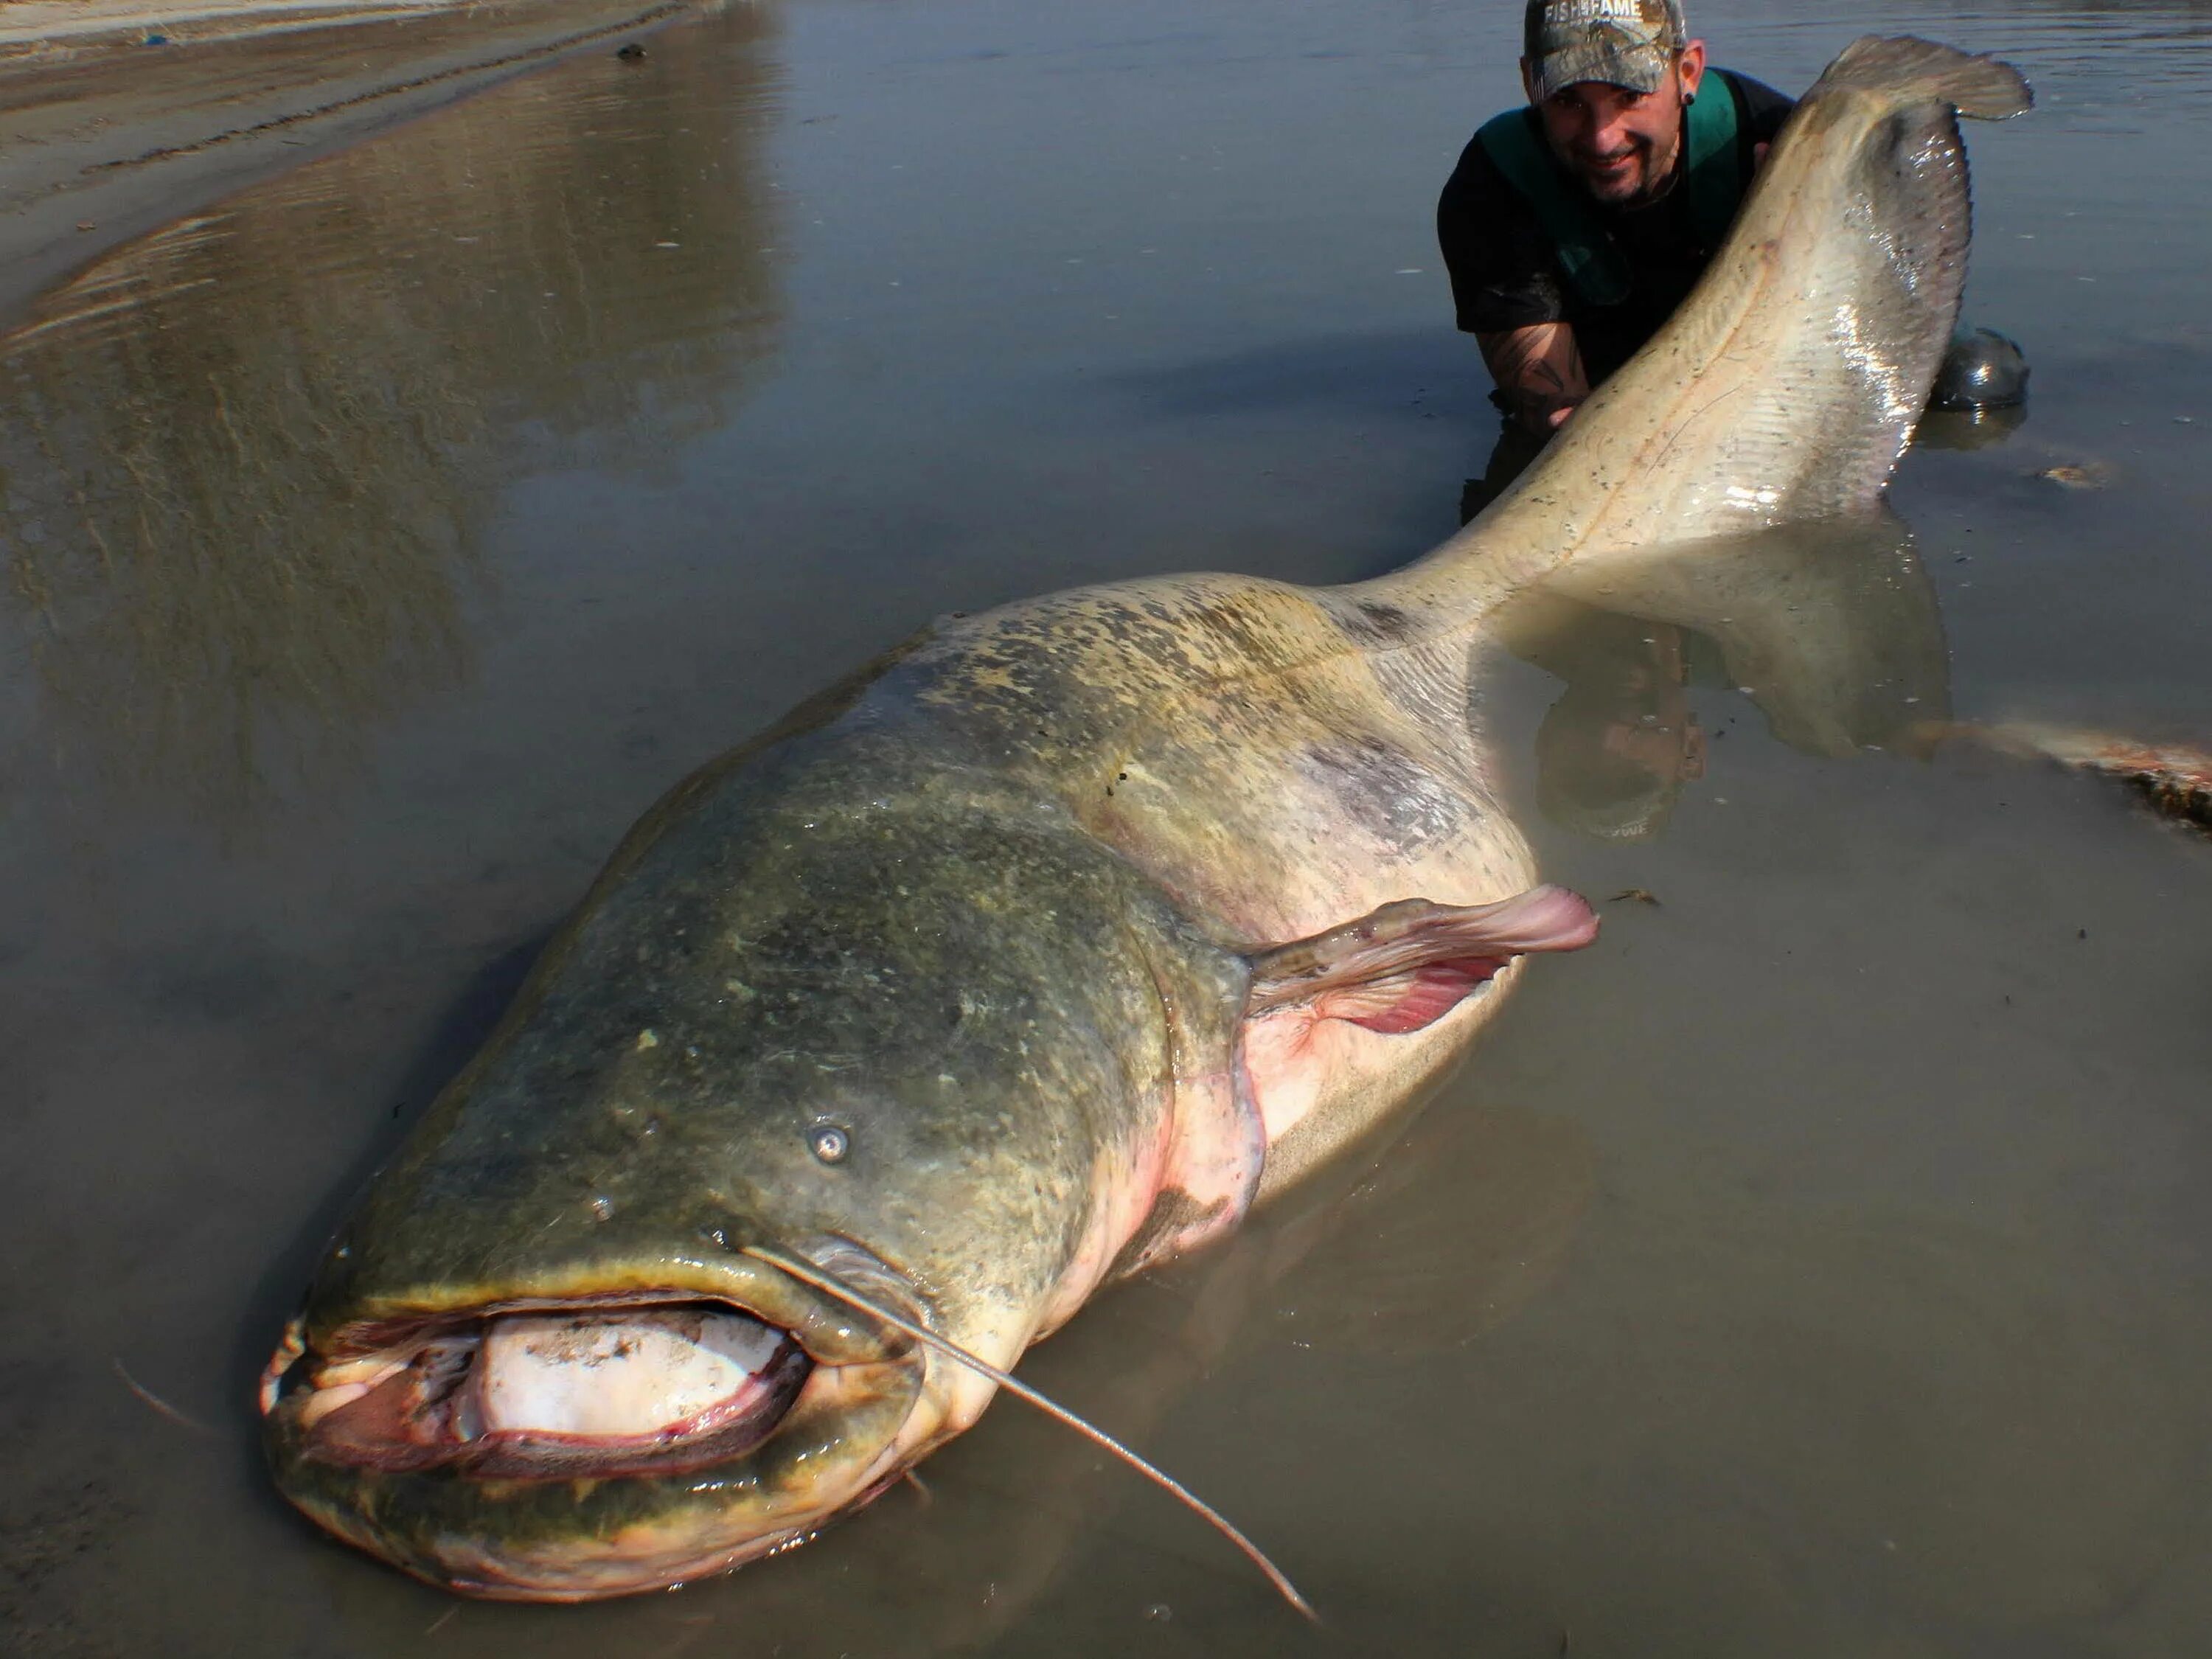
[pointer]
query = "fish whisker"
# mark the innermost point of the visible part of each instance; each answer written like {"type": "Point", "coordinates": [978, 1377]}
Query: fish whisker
{"type": "Point", "coordinates": [183, 1420]}
{"type": "Point", "coordinates": [807, 1273]}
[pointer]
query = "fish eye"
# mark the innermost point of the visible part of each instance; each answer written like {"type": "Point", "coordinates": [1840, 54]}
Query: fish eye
{"type": "Point", "coordinates": [829, 1143]}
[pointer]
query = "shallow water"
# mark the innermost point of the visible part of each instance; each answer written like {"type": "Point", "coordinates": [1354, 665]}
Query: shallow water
{"type": "Point", "coordinates": [1819, 1265]}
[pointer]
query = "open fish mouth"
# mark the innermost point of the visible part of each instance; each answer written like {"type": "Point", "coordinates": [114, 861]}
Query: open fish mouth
{"type": "Point", "coordinates": [584, 1391]}
{"type": "Point", "coordinates": [567, 1449]}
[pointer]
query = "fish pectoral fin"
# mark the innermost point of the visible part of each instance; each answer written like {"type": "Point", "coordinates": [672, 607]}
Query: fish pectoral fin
{"type": "Point", "coordinates": [1410, 963]}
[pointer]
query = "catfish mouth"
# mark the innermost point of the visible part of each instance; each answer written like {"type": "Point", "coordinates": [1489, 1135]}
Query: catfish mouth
{"type": "Point", "coordinates": [568, 1448]}
{"type": "Point", "coordinates": [591, 1389]}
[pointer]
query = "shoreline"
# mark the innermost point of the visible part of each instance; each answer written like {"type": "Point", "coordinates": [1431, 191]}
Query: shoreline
{"type": "Point", "coordinates": [106, 135]}
{"type": "Point", "coordinates": [51, 28]}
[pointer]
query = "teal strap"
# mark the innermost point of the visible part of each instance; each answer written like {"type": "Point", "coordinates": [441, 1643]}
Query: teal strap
{"type": "Point", "coordinates": [1515, 143]}
{"type": "Point", "coordinates": [1716, 174]}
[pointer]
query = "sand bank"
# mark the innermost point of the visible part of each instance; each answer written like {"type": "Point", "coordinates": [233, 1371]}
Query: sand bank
{"type": "Point", "coordinates": [117, 115]}
{"type": "Point", "coordinates": [45, 27]}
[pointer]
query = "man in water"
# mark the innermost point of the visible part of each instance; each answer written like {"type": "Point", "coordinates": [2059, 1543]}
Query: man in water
{"type": "Point", "coordinates": [1572, 228]}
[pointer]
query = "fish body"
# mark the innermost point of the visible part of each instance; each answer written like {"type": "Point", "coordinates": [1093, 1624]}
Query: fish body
{"type": "Point", "coordinates": [1038, 952]}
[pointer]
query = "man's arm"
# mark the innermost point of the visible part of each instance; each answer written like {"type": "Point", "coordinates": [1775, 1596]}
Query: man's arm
{"type": "Point", "coordinates": [1539, 371]}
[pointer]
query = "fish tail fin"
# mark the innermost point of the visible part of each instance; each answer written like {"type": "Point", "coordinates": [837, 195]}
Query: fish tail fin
{"type": "Point", "coordinates": [1905, 68]}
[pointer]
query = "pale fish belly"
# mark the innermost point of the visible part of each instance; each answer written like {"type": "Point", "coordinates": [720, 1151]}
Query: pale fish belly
{"type": "Point", "coordinates": [1323, 1084]}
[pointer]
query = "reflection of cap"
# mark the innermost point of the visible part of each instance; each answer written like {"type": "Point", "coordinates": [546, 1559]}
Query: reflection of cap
{"type": "Point", "coordinates": [1624, 43]}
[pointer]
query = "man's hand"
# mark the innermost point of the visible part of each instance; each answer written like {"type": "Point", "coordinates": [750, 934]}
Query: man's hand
{"type": "Point", "coordinates": [1540, 371]}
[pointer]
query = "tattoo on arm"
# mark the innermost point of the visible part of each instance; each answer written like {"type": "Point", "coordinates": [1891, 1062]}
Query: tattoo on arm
{"type": "Point", "coordinates": [1540, 371]}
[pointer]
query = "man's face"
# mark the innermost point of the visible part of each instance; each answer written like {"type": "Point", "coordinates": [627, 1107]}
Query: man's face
{"type": "Point", "coordinates": [1623, 145]}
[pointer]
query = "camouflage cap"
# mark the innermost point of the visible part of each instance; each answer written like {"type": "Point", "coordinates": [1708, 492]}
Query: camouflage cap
{"type": "Point", "coordinates": [1624, 43]}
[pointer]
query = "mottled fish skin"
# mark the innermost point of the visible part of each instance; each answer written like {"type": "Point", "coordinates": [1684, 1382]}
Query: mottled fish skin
{"type": "Point", "coordinates": [990, 909]}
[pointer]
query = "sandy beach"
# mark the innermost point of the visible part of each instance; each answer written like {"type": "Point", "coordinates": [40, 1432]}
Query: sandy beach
{"type": "Point", "coordinates": [117, 115]}
{"type": "Point", "coordinates": [46, 25]}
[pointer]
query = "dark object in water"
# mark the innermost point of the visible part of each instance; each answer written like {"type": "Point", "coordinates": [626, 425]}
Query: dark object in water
{"type": "Point", "coordinates": [631, 53]}
{"type": "Point", "coordinates": [2173, 779]}
{"type": "Point", "coordinates": [1982, 369]}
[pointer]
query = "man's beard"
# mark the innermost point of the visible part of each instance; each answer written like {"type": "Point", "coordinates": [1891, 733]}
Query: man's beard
{"type": "Point", "coordinates": [1633, 184]}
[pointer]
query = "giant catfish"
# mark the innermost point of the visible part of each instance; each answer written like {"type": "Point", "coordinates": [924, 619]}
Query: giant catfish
{"type": "Point", "coordinates": [1036, 952]}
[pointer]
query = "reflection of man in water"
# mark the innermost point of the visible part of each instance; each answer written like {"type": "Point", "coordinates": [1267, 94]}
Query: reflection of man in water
{"type": "Point", "coordinates": [1613, 752]}
{"type": "Point", "coordinates": [1573, 228]}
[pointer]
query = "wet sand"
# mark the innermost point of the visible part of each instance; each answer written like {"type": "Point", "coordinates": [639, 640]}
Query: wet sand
{"type": "Point", "coordinates": [104, 136]}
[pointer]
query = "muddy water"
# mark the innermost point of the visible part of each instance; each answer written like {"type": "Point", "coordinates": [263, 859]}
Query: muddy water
{"type": "Point", "coordinates": [1819, 1265]}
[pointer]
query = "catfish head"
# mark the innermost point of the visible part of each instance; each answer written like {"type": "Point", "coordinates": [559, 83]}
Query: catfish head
{"type": "Point", "coordinates": [948, 1055]}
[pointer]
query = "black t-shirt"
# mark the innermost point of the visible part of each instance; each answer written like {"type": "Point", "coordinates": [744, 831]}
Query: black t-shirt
{"type": "Point", "coordinates": [1505, 271]}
